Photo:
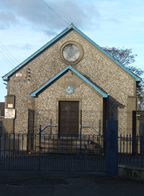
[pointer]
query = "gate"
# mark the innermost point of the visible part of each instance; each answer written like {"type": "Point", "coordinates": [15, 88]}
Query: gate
{"type": "Point", "coordinates": [51, 153]}
{"type": "Point", "coordinates": [47, 152]}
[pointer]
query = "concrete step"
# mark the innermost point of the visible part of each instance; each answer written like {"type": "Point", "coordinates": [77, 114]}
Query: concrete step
{"type": "Point", "coordinates": [62, 150]}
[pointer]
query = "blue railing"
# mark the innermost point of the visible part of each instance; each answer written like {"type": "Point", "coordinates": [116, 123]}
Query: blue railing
{"type": "Point", "coordinates": [50, 152]}
{"type": "Point", "coordinates": [131, 150]}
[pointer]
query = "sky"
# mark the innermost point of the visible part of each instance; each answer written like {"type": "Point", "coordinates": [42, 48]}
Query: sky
{"type": "Point", "coordinates": [27, 25]}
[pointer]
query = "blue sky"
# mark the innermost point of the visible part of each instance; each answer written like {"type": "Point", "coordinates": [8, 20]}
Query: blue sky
{"type": "Point", "coordinates": [27, 25]}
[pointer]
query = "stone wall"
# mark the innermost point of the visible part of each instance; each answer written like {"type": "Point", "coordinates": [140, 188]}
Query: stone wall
{"type": "Point", "coordinates": [89, 103]}
{"type": "Point", "coordinates": [95, 65]}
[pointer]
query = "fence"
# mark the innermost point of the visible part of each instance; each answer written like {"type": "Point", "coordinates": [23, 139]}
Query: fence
{"type": "Point", "coordinates": [86, 121]}
{"type": "Point", "coordinates": [50, 152]}
{"type": "Point", "coordinates": [22, 151]}
{"type": "Point", "coordinates": [43, 151]}
{"type": "Point", "coordinates": [131, 150]}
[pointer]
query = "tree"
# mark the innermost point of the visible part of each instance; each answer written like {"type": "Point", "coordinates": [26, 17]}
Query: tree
{"type": "Point", "coordinates": [125, 57]}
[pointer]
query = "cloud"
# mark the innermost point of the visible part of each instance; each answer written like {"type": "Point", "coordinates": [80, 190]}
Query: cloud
{"type": "Point", "coordinates": [7, 19]}
{"type": "Point", "coordinates": [42, 18]}
{"type": "Point", "coordinates": [27, 46]}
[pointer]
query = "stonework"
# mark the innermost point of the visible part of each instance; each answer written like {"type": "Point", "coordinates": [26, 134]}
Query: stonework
{"type": "Point", "coordinates": [95, 66]}
{"type": "Point", "coordinates": [90, 105]}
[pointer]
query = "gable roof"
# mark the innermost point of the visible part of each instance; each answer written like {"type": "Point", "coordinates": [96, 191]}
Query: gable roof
{"type": "Point", "coordinates": [34, 94]}
{"type": "Point", "coordinates": [69, 28]}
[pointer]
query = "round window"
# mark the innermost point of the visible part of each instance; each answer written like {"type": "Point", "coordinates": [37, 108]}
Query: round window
{"type": "Point", "coordinates": [71, 52]}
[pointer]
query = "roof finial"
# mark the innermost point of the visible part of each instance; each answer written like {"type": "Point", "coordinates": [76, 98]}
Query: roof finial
{"type": "Point", "coordinates": [70, 25]}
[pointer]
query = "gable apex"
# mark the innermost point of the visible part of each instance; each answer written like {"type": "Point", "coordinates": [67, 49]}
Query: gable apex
{"type": "Point", "coordinates": [69, 28]}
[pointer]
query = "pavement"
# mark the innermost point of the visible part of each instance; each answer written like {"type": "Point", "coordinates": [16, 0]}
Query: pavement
{"type": "Point", "coordinates": [28, 183]}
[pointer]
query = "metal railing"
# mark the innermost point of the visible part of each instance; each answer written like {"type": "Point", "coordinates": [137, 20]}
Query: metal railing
{"type": "Point", "coordinates": [83, 126]}
{"type": "Point", "coordinates": [131, 150]}
{"type": "Point", "coordinates": [47, 126]}
{"type": "Point", "coordinates": [50, 152]}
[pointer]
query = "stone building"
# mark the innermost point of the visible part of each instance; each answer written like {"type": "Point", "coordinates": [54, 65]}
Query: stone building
{"type": "Point", "coordinates": [2, 106]}
{"type": "Point", "coordinates": [72, 84]}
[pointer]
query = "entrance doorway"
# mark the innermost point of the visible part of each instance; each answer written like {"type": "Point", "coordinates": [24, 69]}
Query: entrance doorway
{"type": "Point", "coordinates": [68, 118]}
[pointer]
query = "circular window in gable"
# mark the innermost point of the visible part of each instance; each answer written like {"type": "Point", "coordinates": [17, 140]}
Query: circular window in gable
{"type": "Point", "coordinates": [71, 52]}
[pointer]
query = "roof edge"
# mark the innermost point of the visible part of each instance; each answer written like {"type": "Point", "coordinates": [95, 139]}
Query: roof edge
{"type": "Point", "coordinates": [106, 53]}
{"type": "Point", "coordinates": [69, 67]}
{"type": "Point", "coordinates": [5, 77]}
{"type": "Point", "coordinates": [71, 26]}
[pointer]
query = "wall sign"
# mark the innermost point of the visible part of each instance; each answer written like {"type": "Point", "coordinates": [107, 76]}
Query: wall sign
{"type": "Point", "coordinates": [10, 113]}
{"type": "Point", "coordinates": [69, 78]}
{"type": "Point", "coordinates": [18, 75]}
{"type": "Point", "coordinates": [69, 89]}
{"type": "Point", "coordinates": [10, 105]}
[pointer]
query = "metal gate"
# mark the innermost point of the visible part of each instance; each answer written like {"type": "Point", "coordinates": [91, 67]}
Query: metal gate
{"type": "Point", "coordinates": [66, 153]}
{"type": "Point", "coordinates": [51, 153]}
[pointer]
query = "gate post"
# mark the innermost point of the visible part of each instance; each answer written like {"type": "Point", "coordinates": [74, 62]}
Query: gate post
{"type": "Point", "coordinates": [112, 147]}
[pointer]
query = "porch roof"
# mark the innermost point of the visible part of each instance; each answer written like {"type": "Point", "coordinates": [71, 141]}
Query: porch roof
{"type": "Point", "coordinates": [35, 93]}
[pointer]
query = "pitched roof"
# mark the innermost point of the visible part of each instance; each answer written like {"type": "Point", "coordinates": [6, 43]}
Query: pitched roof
{"type": "Point", "coordinates": [71, 27]}
{"type": "Point", "coordinates": [34, 94]}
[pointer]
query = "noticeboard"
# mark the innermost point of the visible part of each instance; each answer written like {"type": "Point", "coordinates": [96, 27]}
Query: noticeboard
{"type": "Point", "coordinates": [10, 113]}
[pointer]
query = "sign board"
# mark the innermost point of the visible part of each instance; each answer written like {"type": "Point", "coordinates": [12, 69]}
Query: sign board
{"type": "Point", "coordinates": [18, 75]}
{"type": "Point", "coordinates": [10, 105]}
{"type": "Point", "coordinates": [68, 78]}
{"type": "Point", "coordinates": [10, 113]}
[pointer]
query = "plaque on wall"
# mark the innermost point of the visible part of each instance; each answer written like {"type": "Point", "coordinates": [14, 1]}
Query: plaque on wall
{"type": "Point", "coordinates": [18, 75]}
{"type": "Point", "coordinates": [10, 113]}
{"type": "Point", "coordinates": [69, 78]}
{"type": "Point", "coordinates": [69, 89]}
{"type": "Point", "coordinates": [10, 105]}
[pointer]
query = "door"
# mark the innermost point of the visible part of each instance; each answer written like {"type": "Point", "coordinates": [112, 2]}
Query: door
{"type": "Point", "coordinates": [68, 118]}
